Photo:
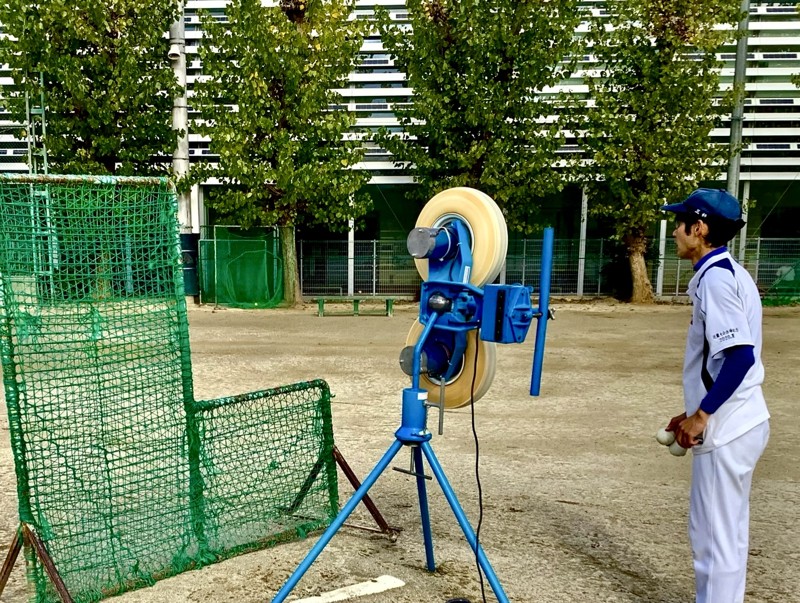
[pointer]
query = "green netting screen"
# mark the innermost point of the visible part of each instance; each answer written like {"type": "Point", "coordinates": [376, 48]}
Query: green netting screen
{"type": "Point", "coordinates": [125, 476]}
{"type": "Point", "coordinates": [241, 268]}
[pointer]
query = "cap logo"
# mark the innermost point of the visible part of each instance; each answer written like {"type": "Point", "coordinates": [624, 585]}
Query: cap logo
{"type": "Point", "coordinates": [705, 203]}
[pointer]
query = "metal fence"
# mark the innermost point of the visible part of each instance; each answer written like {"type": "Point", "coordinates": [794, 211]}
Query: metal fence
{"type": "Point", "coordinates": [774, 264]}
{"type": "Point", "coordinates": [377, 267]}
{"type": "Point", "coordinates": [590, 267]}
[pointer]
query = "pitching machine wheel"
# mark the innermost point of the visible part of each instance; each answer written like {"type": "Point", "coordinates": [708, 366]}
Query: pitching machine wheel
{"type": "Point", "coordinates": [484, 221]}
{"type": "Point", "coordinates": [458, 389]}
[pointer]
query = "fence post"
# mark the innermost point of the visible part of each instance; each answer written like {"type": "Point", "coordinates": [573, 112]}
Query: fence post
{"type": "Point", "coordinates": [600, 269]}
{"type": "Point", "coordinates": [758, 259]}
{"type": "Point", "coordinates": [216, 289]}
{"type": "Point", "coordinates": [277, 261]}
{"type": "Point", "coordinates": [582, 241]}
{"type": "Point", "coordinates": [351, 258]}
{"type": "Point", "coordinates": [129, 263]}
{"type": "Point", "coordinates": [662, 245]}
{"type": "Point", "coordinates": [524, 258]}
{"type": "Point", "coordinates": [374, 266]}
{"type": "Point", "coordinates": [301, 268]}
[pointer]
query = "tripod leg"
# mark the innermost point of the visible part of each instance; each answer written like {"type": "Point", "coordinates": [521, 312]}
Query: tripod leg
{"type": "Point", "coordinates": [47, 562]}
{"type": "Point", "coordinates": [463, 522]}
{"type": "Point", "coordinates": [11, 558]}
{"type": "Point", "coordinates": [373, 510]}
{"type": "Point", "coordinates": [423, 508]}
{"type": "Point", "coordinates": [338, 521]}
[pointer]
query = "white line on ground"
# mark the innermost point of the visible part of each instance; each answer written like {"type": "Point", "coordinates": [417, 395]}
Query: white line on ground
{"type": "Point", "coordinates": [373, 587]}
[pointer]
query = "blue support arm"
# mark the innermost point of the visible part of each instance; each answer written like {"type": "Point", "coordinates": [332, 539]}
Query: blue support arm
{"type": "Point", "coordinates": [544, 310]}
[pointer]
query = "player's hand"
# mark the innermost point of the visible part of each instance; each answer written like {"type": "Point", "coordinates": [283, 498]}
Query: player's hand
{"type": "Point", "coordinates": [690, 431]}
{"type": "Point", "coordinates": [675, 421]}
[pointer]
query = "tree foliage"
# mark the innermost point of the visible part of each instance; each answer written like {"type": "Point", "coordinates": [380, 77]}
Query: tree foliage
{"type": "Point", "coordinates": [285, 156]}
{"type": "Point", "coordinates": [108, 84]}
{"type": "Point", "coordinates": [656, 98]}
{"type": "Point", "coordinates": [478, 69]}
{"type": "Point", "coordinates": [271, 74]}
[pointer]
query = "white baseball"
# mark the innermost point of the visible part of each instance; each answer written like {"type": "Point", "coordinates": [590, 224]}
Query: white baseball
{"type": "Point", "coordinates": [676, 449]}
{"type": "Point", "coordinates": [665, 437]}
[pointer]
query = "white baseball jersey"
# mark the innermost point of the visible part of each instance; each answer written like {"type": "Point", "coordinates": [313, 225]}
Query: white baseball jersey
{"type": "Point", "coordinates": [726, 313]}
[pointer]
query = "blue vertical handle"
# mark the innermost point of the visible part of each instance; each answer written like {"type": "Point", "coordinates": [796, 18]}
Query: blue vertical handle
{"type": "Point", "coordinates": [544, 310]}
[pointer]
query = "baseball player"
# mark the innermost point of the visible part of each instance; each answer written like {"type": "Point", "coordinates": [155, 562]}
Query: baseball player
{"type": "Point", "coordinates": [726, 423]}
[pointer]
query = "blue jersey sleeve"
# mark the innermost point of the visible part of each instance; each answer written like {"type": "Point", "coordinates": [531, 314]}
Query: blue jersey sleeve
{"type": "Point", "coordinates": [738, 360]}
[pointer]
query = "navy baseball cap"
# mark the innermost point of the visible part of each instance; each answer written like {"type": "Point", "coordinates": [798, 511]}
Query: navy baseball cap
{"type": "Point", "coordinates": [705, 202]}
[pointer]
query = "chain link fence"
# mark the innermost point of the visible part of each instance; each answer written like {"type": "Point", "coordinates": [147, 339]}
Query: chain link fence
{"type": "Point", "coordinates": [774, 264]}
{"type": "Point", "coordinates": [378, 267]}
{"type": "Point", "coordinates": [590, 267]}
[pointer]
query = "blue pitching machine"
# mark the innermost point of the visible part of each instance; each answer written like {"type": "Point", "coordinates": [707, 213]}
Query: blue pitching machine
{"type": "Point", "coordinates": [459, 246]}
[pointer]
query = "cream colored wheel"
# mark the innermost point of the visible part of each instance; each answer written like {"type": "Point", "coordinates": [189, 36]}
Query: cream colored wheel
{"type": "Point", "coordinates": [484, 221]}
{"type": "Point", "coordinates": [457, 391]}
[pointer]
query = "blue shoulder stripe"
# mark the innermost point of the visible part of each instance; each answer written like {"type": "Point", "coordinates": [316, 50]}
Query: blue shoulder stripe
{"type": "Point", "coordinates": [723, 263]}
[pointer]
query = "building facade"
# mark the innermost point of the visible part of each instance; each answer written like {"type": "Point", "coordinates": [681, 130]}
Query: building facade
{"type": "Point", "coordinates": [770, 159]}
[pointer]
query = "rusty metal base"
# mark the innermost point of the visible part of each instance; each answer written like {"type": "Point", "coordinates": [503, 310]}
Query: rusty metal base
{"type": "Point", "coordinates": [25, 535]}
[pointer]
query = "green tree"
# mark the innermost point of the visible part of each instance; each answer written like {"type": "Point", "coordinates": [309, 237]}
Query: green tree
{"type": "Point", "coordinates": [108, 84]}
{"type": "Point", "coordinates": [480, 117]}
{"type": "Point", "coordinates": [266, 103]}
{"type": "Point", "coordinates": [656, 97]}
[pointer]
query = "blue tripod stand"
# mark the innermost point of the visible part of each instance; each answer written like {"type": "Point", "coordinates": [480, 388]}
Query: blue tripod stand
{"type": "Point", "coordinates": [413, 432]}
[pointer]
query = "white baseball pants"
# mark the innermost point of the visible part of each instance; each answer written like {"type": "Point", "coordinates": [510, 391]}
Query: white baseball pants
{"type": "Point", "coordinates": [719, 516]}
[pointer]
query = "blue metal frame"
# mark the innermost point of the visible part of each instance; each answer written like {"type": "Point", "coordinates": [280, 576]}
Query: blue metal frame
{"type": "Point", "coordinates": [545, 276]}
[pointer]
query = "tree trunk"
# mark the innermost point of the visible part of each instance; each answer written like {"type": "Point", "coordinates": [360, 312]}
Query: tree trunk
{"type": "Point", "coordinates": [642, 290]}
{"type": "Point", "coordinates": [291, 273]}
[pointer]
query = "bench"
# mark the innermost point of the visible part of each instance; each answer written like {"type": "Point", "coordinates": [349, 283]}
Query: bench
{"type": "Point", "coordinates": [388, 309]}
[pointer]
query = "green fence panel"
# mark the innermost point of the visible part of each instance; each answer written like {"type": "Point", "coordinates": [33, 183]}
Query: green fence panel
{"type": "Point", "coordinates": [241, 268]}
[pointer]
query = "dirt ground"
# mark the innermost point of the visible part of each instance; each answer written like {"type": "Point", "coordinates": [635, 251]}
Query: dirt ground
{"type": "Point", "coordinates": [580, 504]}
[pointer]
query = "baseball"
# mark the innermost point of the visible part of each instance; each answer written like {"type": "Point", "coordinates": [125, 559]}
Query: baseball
{"type": "Point", "coordinates": [676, 449]}
{"type": "Point", "coordinates": [665, 437]}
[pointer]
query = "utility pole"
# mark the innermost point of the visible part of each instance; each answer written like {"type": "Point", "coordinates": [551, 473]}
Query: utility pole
{"type": "Point", "coordinates": [737, 117]}
{"type": "Point", "coordinates": [180, 116]}
{"type": "Point", "coordinates": [740, 70]}
{"type": "Point", "coordinates": [180, 157]}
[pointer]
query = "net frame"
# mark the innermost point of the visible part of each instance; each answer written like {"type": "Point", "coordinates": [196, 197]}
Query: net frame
{"type": "Point", "coordinates": [125, 477]}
